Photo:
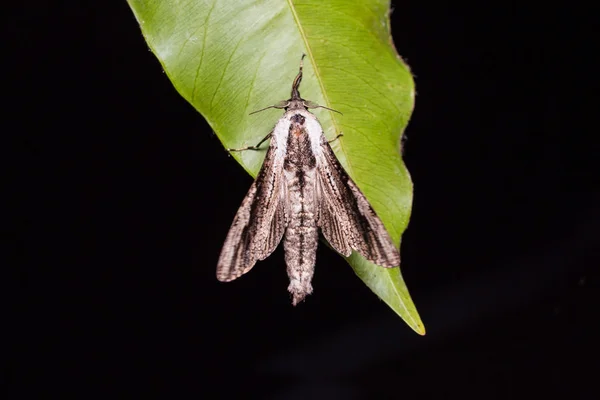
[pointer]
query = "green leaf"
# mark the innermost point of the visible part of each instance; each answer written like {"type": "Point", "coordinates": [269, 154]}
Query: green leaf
{"type": "Point", "coordinates": [229, 58]}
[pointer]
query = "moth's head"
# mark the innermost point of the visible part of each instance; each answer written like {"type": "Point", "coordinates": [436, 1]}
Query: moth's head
{"type": "Point", "coordinates": [296, 102]}
{"type": "Point", "coordinates": [290, 104]}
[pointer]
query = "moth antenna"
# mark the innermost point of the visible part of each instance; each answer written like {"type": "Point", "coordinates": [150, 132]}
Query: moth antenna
{"type": "Point", "coordinates": [331, 109]}
{"type": "Point", "coordinates": [297, 80]}
{"type": "Point", "coordinates": [262, 109]}
{"type": "Point", "coordinates": [280, 104]}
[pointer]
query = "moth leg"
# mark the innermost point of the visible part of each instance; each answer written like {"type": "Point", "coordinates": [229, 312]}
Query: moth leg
{"type": "Point", "coordinates": [256, 146]}
{"type": "Point", "coordinates": [335, 138]}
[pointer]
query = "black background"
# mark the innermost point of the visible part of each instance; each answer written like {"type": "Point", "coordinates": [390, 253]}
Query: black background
{"type": "Point", "coordinates": [124, 196]}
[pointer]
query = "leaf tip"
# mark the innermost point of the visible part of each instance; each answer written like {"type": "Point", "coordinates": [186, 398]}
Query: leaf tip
{"type": "Point", "coordinates": [420, 329]}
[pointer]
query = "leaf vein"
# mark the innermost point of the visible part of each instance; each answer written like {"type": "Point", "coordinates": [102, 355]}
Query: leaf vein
{"type": "Point", "coordinates": [251, 86]}
{"type": "Point", "coordinates": [195, 86]}
{"type": "Point", "coordinates": [227, 64]}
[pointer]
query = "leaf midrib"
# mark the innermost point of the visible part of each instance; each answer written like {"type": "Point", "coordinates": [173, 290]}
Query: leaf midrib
{"type": "Point", "coordinates": [321, 85]}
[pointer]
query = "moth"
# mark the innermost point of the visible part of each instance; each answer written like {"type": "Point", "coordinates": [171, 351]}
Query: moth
{"type": "Point", "coordinates": [302, 189]}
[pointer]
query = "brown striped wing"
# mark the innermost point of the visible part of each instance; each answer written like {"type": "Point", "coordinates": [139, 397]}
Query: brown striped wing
{"type": "Point", "coordinates": [259, 223]}
{"type": "Point", "coordinates": [346, 218]}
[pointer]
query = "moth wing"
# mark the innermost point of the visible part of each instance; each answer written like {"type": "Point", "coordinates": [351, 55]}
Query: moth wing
{"type": "Point", "coordinates": [278, 225]}
{"type": "Point", "coordinates": [259, 223]}
{"type": "Point", "coordinates": [346, 218]}
{"type": "Point", "coordinates": [331, 226]}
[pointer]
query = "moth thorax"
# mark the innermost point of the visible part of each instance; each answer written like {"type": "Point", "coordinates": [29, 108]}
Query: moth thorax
{"type": "Point", "coordinates": [298, 119]}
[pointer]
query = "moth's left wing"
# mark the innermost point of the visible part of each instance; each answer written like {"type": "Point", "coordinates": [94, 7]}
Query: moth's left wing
{"type": "Point", "coordinates": [260, 222]}
{"type": "Point", "coordinates": [346, 218]}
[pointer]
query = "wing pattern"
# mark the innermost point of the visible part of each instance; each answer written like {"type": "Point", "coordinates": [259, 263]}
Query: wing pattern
{"type": "Point", "coordinates": [259, 223]}
{"type": "Point", "coordinates": [346, 218]}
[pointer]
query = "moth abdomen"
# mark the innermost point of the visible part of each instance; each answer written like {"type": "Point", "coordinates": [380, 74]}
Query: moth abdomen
{"type": "Point", "coordinates": [300, 245]}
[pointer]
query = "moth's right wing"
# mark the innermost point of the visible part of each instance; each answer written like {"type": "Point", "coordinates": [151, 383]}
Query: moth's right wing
{"type": "Point", "coordinates": [346, 218]}
{"type": "Point", "coordinates": [260, 222]}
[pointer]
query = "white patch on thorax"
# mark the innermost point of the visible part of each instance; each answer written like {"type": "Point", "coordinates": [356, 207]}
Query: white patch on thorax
{"type": "Point", "coordinates": [313, 127]}
{"type": "Point", "coordinates": [280, 135]}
